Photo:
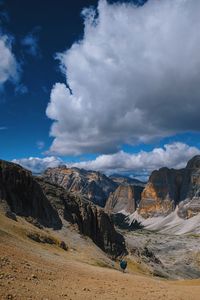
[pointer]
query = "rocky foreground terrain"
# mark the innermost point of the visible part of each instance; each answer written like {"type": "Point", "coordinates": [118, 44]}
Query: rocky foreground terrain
{"type": "Point", "coordinates": [43, 270]}
{"type": "Point", "coordinates": [165, 255]}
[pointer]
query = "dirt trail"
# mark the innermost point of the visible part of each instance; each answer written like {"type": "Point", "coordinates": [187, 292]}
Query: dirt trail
{"type": "Point", "coordinates": [30, 270]}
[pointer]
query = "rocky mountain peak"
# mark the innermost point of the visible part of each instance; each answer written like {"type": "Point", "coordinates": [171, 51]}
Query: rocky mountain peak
{"type": "Point", "coordinates": [168, 188]}
{"type": "Point", "coordinates": [91, 184]}
{"type": "Point", "coordinates": [125, 198]}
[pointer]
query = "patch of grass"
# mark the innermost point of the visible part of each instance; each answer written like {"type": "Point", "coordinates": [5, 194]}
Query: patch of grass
{"type": "Point", "coordinates": [47, 239]}
{"type": "Point", "coordinates": [136, 267]}
{"type": "Point", "coordinates": [194, 235]}
{"type": "Point", "coordinates": [102, 264]}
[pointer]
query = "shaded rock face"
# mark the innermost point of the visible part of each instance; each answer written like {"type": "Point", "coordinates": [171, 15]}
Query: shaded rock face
{"type": "Point", "coordinates": [22, 195]}
{"type": "Point", "coordinates": [122, 222]}
{"type": "Point", "coordinates": [168, 188]}
{"type": "Point", "coordinates": [190, 189]}
{"type": "Point", "coordinates": [125, 198]}
{"type": "Point", "coordinates": [91, 220]}
{"type": "Point", "coordinates": [93, 185]}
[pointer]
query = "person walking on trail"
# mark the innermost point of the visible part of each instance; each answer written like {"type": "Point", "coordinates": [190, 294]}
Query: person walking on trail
{"type": "Point", "coordinates": [123, 264]}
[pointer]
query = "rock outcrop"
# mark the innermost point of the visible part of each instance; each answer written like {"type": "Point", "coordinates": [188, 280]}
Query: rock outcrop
{"type": "Point", "coordinates": [91, 220]}
{"type": "Point", "coordinates": [168, 188]}
{"type": "Point", "coordinates": [21, 194]}
{"type": "Point", "coordinates": [124, 199]}
{"type": "Point", "coordinates": [190, 189]}
{"type": "Point", "coordinates": [93, 185]}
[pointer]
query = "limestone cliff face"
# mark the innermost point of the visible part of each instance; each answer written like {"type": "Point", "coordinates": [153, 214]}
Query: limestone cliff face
{"type": "Point", "coordinates": [191, 182]}
{"type": "Point", "coordinates": [168, 188]}
{"type": "Point", "coordinates": [21, 194]}
{"type": "Point", "coordinates": [29, 196]}
{"type": "Point", "coordinates": [93, 185]}
{"type": "Point", "coordinates": [161, 193]}
{"type": "Point", "coordinates": [90, 219]}
{"type": "Point", "coordinates": [125, 198]}
{"type": "Point", "coordinates": [190, 189]}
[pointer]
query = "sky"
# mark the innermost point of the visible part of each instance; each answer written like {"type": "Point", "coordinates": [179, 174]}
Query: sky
{"type": "Point", "coordinates": [111, 86]}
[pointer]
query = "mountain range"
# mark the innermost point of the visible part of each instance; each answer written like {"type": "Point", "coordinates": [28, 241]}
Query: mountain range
{"type": "Point", "coordinates": [167, 190]}
{"type": "Point", "coordinates": [78, 204]}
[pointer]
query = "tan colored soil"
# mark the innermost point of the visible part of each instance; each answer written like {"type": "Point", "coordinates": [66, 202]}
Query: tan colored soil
{"type": "Point", "coordinates": [30, 270]}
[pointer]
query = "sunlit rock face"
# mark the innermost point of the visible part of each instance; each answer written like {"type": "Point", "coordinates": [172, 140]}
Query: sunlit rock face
{"type": "Point", "coordinates": [93, 185]}
{"type": "Point", "coordinates": [168, 188]}
{"type": "Point", "coordinates": [162, 193]}
{"type": "Point", "coordinates": [125, 198]}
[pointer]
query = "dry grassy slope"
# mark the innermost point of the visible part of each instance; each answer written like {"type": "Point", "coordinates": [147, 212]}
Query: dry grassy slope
{"type": "Point", "coordinates": [30, 270]}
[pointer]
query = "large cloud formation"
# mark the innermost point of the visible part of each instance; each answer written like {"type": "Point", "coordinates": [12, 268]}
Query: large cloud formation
{"type": "Point", "coordinates": [140, 165]}
{"type": "Point", "coordinates": [38, 165]}
{"type": "Point", "coordinates": [175, 155]}
{"type": "Point", "coordinates": [134, 77]}
{"type": "Point", "coordinates": [9, 69]}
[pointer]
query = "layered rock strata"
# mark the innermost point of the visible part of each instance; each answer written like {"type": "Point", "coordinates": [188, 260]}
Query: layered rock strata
{"type": "Point", "coordinates": [124, 199]}
{"type": "Point", "coordinates": [93, 185]}
{"type": "Point", "coordinates": [21, 194]}
{"type": "Point", "coordinates": [169, 188]}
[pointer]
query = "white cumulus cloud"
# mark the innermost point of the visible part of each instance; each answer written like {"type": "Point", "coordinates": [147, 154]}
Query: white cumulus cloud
{"type": "Point", "coordinates": [134, 77]}
{"type": "Point", "coordinates": [141, 164]}
{"type": "Point", "coordinates": [9, 69]}
{"type": "Point", "coordinates": [38, 165]}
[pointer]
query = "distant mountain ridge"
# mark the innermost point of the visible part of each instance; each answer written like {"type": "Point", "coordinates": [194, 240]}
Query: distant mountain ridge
{"type": "Point", "coordinates": [120, 179]}
{"type": "Point", "coordinates": [95, 186]}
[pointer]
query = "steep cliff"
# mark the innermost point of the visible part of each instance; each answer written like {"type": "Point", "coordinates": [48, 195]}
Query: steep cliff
{"type": "Point", "coordinates": [190, 189]}
{"type": "Point", "coordinates": [91, 220]}
{"type": "Point", "coordinates": [168, 188]}
{"type": "Point", "coordinates": [125, 198]}
{"type": "Point", "coordinates": [21, 194]}
{"type": "Point", "coordinates": [93, 185]}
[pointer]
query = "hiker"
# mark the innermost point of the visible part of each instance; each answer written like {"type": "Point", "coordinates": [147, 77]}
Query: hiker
{"type": "Point", "coordinates": [123, 264]}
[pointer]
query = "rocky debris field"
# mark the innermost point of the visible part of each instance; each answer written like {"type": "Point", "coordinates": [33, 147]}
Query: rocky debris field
{"type": "Point", "coordinates": [168, 256]}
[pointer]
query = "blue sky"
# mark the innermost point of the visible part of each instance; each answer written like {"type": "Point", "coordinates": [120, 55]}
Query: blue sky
{"type": "Point", "coordinates": [24, 114]}
{"type": "Point", "coordinates": [131, 99]}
